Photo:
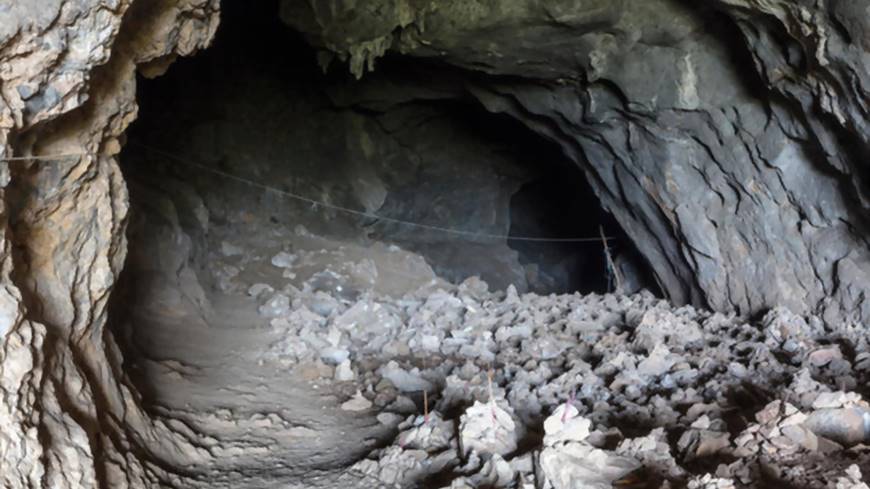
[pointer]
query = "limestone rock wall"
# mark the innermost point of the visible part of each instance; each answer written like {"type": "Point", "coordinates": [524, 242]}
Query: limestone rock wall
{"type": "Point", "coordinates": [67, 72]}
{"type": "Point", "coordinates": [729, 139]}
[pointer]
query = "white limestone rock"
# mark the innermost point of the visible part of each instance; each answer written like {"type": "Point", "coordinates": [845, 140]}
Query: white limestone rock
{"type": "Point", "coordinates": [568, 461]}
{"type": "Point", "coordinates": [357, 403]}
{"type": "Point", "coordinates": [487, 428]}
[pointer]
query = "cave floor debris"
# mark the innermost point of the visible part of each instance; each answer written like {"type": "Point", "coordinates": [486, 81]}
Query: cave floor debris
{"type": "Point", "coordinates": [304, 362]}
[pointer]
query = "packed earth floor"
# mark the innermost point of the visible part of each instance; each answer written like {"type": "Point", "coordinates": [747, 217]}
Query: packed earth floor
{"type": "Point", "coordinates": [296, 360]}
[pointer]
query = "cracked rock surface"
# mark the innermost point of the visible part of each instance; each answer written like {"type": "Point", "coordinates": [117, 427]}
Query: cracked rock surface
{"type": "Point", "coordinates": [728, 138]}
{"type": "Point", "coordinates": [68, 417]}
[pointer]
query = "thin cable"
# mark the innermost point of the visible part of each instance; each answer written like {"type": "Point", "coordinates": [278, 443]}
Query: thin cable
{"type": "Point", "coordinates": [355, 212]}
{"type": "Point", "coordinates": [58, 156]}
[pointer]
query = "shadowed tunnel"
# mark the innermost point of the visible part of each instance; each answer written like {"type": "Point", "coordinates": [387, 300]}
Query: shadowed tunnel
{"type": "Point", "coordinates": [410, 145]}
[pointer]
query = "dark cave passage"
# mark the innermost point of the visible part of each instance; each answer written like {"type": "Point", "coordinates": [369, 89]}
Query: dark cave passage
{"type": "Point", "coordinates": [408, 146]}
{"type": "Point", "coordinates": [539, 208]}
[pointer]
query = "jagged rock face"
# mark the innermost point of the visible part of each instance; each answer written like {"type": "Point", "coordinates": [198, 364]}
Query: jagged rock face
{"type": "Point", "coordinates": [728, 139]}
{"type": "Point", "coordinates": [67, 418]}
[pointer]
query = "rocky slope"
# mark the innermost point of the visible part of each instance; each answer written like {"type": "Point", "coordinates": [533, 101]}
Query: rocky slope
{"type": "Point", "coordinates": [337, 364]}
{"type": "Point", "coordinates": [439, 385]}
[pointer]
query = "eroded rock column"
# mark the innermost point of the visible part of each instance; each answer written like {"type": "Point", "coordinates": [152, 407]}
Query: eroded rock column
{"type": "Point", "coordinates": [68, 88]}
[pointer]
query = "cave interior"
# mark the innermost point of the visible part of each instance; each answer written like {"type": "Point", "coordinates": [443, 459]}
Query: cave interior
{"type": "Point", "coordinates": [255, 174]}
{"type": "Point", "coordinates": [445, 245]}
{"type": "Point", "coordinates": [255, 125]}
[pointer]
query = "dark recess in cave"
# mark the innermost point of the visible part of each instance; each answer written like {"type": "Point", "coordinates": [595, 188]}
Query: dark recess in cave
{"type": "Point", "coordinates": [551, 196]}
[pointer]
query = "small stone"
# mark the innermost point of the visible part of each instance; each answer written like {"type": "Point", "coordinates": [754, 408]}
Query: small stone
{"type": "Point", "coordinates": [357, 403]}
{"type": "Point", "coordinates": [389, 419]}
{"type": "Point", "coordinates": [257, 289]}
{"type": "Point", "coordinates": [711, 443]}
{"type": "Point", "coordinates": [828, 400]}
{"type": "Point", "coordinates": [334, 356]}
{"type": "Point", "coordinates": [738, 370]}
{"type": "Point", "coordinates": [743, 439]}
{"type": "Point", "coordinates": [702, 423]}
{"type": "Point", "coordinates": [283, 260]}
{"type": "Point", "coordinates": [430, 343]}
{"type": "Point", "coordinates": [708, 481]}
{"type": "Point", "coordinates": [845, 426]}
{"type": "Point", "coordinates": [488, 429]}
{"type": "Point", "coordinates": [343, 372]}
{"type": "Point", "coordinates": [699, 409]}
{"type": "Point", "coordinates": [523, 464]}
{"type": "Point", "coordinates": [230, 249]}
{"type": "Point", "coordinates": [802, 436]}
{"type": "Point", "coordinates": [405, 380]}
{"type": "Point", "coordinates": [769, 413]}
{"type": "Point", "coordinates": [403, 404]}
{"type": "Point", "coordinates": [827, 446]}
{"type": "Point", "coordinates": [278, 305]}
{"type": "Point", "coordinates": [384, 385]}
{"type": "Point", "coordinates": [824, 356]}
{"type": "Point", "coordinates": [783, 443]}
{"type": "Point", "coordinates": [311, 371]}
{"type": "Point", "coordinates": [862, 361]}
{"type": "Point", "coordinates": [852, 480]}
{"type": "Point", "coordinates": [566, 424]}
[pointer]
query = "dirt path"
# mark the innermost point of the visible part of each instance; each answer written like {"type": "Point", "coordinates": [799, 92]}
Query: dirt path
{"type": "Point", "coordinates": [263, 423]}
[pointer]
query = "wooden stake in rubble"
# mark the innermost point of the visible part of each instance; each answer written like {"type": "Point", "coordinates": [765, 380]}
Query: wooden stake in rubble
{"type": "Point", "coordinates": [489, 374]}
{"type": "Point", "coordinates": [611, 265]}
{"type": "Point", "coordinates": [425, 406]}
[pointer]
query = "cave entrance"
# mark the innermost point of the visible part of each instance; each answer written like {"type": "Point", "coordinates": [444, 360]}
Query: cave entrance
{"type": "Point", "coordinates": [252, 128]}
{"type": "Point", "coordinates": [295, 236]}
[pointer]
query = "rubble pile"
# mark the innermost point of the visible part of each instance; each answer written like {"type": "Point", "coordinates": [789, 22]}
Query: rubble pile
{"type": "Point", "coordinates": [497, 389]}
